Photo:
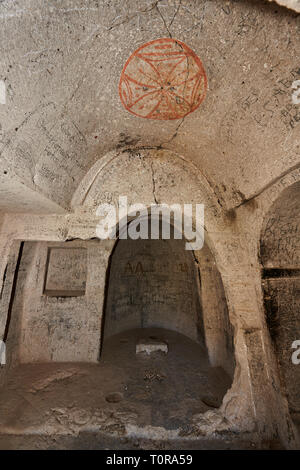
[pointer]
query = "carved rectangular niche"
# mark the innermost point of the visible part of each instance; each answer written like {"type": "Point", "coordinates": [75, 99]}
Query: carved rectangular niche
{"type": "Point", "coordinates": [66, 272]}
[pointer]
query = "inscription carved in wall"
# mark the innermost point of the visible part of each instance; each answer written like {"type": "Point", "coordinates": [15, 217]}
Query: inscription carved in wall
{"type": "Point", "coordinates": [153, 283]}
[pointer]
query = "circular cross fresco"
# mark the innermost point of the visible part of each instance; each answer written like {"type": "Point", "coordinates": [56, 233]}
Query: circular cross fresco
{"type": "Point", "coordinates": [163, 79]}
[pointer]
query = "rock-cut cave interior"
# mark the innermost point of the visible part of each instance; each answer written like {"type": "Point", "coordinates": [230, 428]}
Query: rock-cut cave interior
{"type": "Point", "coordinates": [142, 338]}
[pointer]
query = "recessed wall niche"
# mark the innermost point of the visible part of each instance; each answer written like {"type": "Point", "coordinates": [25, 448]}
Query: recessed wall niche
{"type": "Point", "coordinates": [62, 327]}
{"type": "Point", "coordinates": [66, 272]}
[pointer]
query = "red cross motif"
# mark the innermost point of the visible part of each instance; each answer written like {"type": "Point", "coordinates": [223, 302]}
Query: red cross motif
{"type": "Point", "coordinates": [163, 79]}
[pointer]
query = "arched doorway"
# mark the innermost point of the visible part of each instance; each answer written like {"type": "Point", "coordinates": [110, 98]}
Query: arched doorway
{"type": "Point", "coordinates": [140, 384]}
{"type": "Point", "coordinates": [154, 332]}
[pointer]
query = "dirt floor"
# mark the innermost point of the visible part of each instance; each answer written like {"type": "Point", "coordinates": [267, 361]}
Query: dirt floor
{"type": "Point", "coordinates": [125, 401]}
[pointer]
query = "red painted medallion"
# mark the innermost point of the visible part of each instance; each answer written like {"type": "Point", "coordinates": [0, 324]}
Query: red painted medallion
{"type": "Point", "coordinates": [163, 79]}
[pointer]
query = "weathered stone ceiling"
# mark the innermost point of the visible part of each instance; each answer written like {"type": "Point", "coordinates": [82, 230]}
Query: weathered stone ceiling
{"type": "Point", "coordinates": [62, 60]}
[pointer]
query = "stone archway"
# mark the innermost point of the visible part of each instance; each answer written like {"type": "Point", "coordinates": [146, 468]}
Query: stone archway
{"type": "Point", "coordinates": [165, 177]}
{"type": "Point", "coordinates": [155, 329]}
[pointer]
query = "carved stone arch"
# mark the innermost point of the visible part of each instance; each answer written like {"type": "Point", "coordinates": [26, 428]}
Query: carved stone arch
{"type": "Point", "coordinates": [155, 176]}
{"type": "Point", "coordinates": [152, 176]}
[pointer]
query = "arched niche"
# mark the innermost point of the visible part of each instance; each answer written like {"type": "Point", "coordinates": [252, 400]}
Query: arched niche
{"type": "Point", "coordinates": [153, 283]}
{"type": "Point", "coordinates": [152, 176]}
{"type": "Point", "coordinates": [158, 283]}
{"type": "Point", "coordinates": [154, 293]}
{"type": "Point", "coordinates": [280, 259]}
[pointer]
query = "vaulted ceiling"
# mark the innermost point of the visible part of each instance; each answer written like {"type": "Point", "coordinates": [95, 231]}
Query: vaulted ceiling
{"type": "Point", "coordinates": [61, 62]}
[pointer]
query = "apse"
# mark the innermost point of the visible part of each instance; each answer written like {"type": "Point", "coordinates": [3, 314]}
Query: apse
{"type": "Point", "coordinates": [153, 283]}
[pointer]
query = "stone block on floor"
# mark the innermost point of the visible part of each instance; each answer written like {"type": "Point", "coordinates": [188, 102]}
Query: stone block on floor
{"type": "Point", "coordinates": [148, 346]}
